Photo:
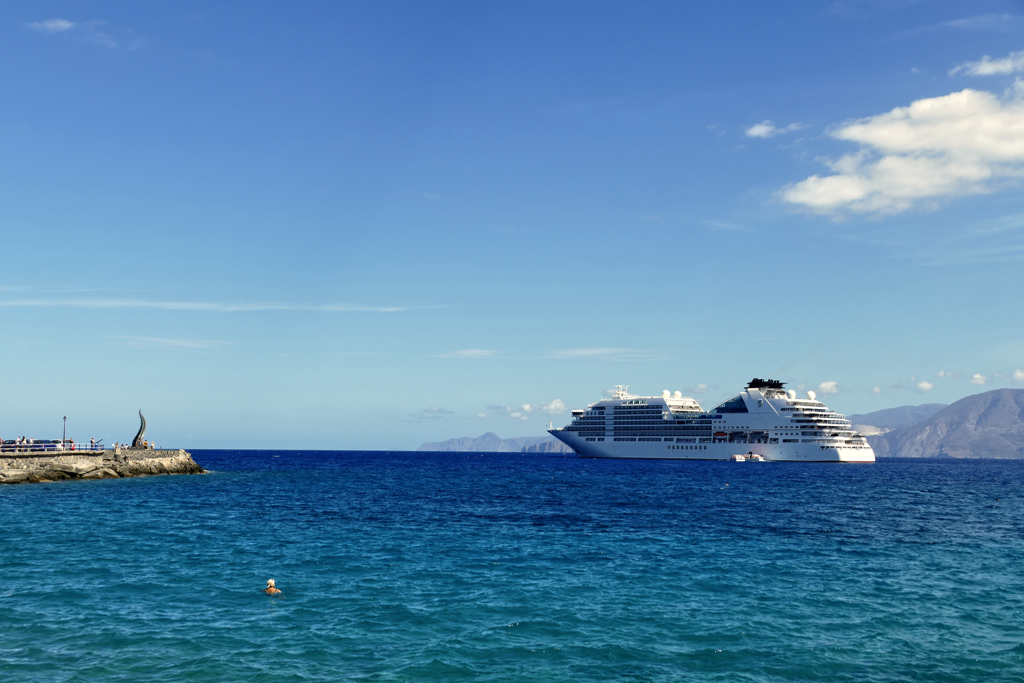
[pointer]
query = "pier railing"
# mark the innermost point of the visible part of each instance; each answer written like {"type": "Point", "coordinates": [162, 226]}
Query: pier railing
{"type": "Point", "coordinates": [50, 447]}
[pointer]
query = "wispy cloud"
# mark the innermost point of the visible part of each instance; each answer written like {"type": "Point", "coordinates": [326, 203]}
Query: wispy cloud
{"type": "Point", "coordinates": [468, 353]}
{"type": "Point", "coordinates": [554, 407]}
{"type": "Point", "coordinates": [725, 225]}
{"type": "Point", "coordinates": [994, 23]}
{"type": "Point", "coordinates": [96, 32]}
{"type": "Point", "coordinates": [986, 66]}
{"type": "Point", "coordinates": [51, 25]}
{"type": "Point", "coordinates": [604, 354]}
{"type": "Point", "coordinates": [864, 9]}
{"type": "Point", "coordinates": [767, 129]}
{"type": "Point", "coordinates": [990, 241]}
{"type": "Point", "coordinates": [921, 386]}
{"type": "Point", "coordinates": [506, 411]}
{"type": "Point", "coordinates": [57, 289]}
{"type": "Point", "coordinates": [503, 411]}
{"type": "Point", "coordinates": [201, 306]}
{"type": "Point", "coordinates": [434, 413]}
{"type": "Point", "coordinates": [1001, 23]}
{"type": "Point", "coordinates": [142, 342]}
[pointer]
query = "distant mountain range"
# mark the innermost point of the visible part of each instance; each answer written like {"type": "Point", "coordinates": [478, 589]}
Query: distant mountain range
{"type": "Point", "coordinates": [895, 418]}
{"type": "Point", "coordinates": [492, 443]}
{"type": "Point", "coordinates": [986, 425]}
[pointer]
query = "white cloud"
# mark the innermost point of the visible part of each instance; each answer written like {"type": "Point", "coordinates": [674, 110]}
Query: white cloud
{"type": "Point", "coordinates": [203, 306]}
{"type": "Point", "coordinates": [925, 386]}
{"type": "Point", "coordinates": [467, 353]}
{"type": "Point", "coordinates": [767, 129]}
{"type": "Point", "coordinates": [940, 373]}
{"type": "Point", "coordinates": [978, 379]}
{"type": "Point", "coordinates": [52, 25]}
{"type": "Point", "coordinates": [434, 413]}
{"type": "Point", "coordinates": [967, 142]}
{"type": "Point", "coordinates": [828, 388]}
{"type": "Point", "coordinates": [700, 388]}
{"type": "Point", "coordinates": [556, 407]}
{"type": "Point", "coordinates": [986, 66]}
{"type": "Point", "coordinates": [482, 415]}
{"type": "Point", "coordinates": [876, 390]}
{"type": "Point", "coordinates": [1018, 375]}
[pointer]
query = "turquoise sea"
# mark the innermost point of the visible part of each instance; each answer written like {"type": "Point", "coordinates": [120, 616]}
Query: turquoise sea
{"type": "Point", "coordinates": [509, 567]}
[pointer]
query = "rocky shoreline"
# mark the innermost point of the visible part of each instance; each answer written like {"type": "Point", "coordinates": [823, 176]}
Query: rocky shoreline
{"type": "Point", "coordinates": [16, 468]}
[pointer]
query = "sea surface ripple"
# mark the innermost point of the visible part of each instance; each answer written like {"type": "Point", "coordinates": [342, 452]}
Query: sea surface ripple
{"type": "Point", "coordinates": [510, 567]}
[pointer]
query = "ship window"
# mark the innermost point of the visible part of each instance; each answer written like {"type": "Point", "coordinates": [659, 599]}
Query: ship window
{"type": "Point", "coordinates": [733, 405]}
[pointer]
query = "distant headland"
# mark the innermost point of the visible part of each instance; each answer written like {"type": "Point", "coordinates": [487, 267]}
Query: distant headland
{"type": "Point", "coordinates": [492, 443]}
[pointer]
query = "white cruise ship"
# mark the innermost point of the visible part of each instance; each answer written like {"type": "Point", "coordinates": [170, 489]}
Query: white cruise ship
{"type": "Point", "coordinates": [764, 420]}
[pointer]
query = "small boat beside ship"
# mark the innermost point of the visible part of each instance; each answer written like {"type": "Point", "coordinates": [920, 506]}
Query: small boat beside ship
{"type": "Point", "coordinates": [748, 457]}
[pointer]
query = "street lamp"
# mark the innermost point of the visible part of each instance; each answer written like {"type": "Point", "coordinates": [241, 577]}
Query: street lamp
{"type": "Point", "coordinates": [64, 440]}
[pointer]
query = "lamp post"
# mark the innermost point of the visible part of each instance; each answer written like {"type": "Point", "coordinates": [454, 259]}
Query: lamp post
{"type": "Point", "coordinates": [65, 438]}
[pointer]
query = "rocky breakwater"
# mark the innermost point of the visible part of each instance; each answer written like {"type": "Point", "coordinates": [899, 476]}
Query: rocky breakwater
{"type": "Point", "coordinates": [131, 462]}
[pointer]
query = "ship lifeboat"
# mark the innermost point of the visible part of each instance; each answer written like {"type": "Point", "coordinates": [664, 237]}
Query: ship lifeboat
{"type": "Point", "coordinates": [720, 434]}
{"type": "Point", "coordinates": [738, 458]}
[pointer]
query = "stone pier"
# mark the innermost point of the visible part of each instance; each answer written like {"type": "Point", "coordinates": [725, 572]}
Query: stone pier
{"type": "Point", "coordinates": [20, 468]}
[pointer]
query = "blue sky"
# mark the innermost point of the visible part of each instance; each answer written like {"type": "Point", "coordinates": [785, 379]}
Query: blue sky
{"type": "Point", "coordinates": [370, 225]}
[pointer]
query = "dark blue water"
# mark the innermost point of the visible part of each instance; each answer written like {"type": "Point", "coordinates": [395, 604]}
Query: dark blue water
{"type": "Point", "coordinates": [504, 567]}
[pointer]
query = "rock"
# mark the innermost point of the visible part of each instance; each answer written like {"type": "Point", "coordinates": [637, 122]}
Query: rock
{"type": "Point", "coordinates": [101, 473]}
{"type": "Point", "coordinates": [16, 470]}
{"type": "Point", "coordinates": [78, 468]}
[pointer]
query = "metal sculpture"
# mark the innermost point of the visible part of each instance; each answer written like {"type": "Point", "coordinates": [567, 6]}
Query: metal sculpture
{"type": "Point", "coordinates": [137, 441]}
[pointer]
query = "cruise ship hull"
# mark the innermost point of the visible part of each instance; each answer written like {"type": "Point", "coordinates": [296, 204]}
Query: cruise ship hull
{"type": "Point", "coordinates": [713, 451]}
